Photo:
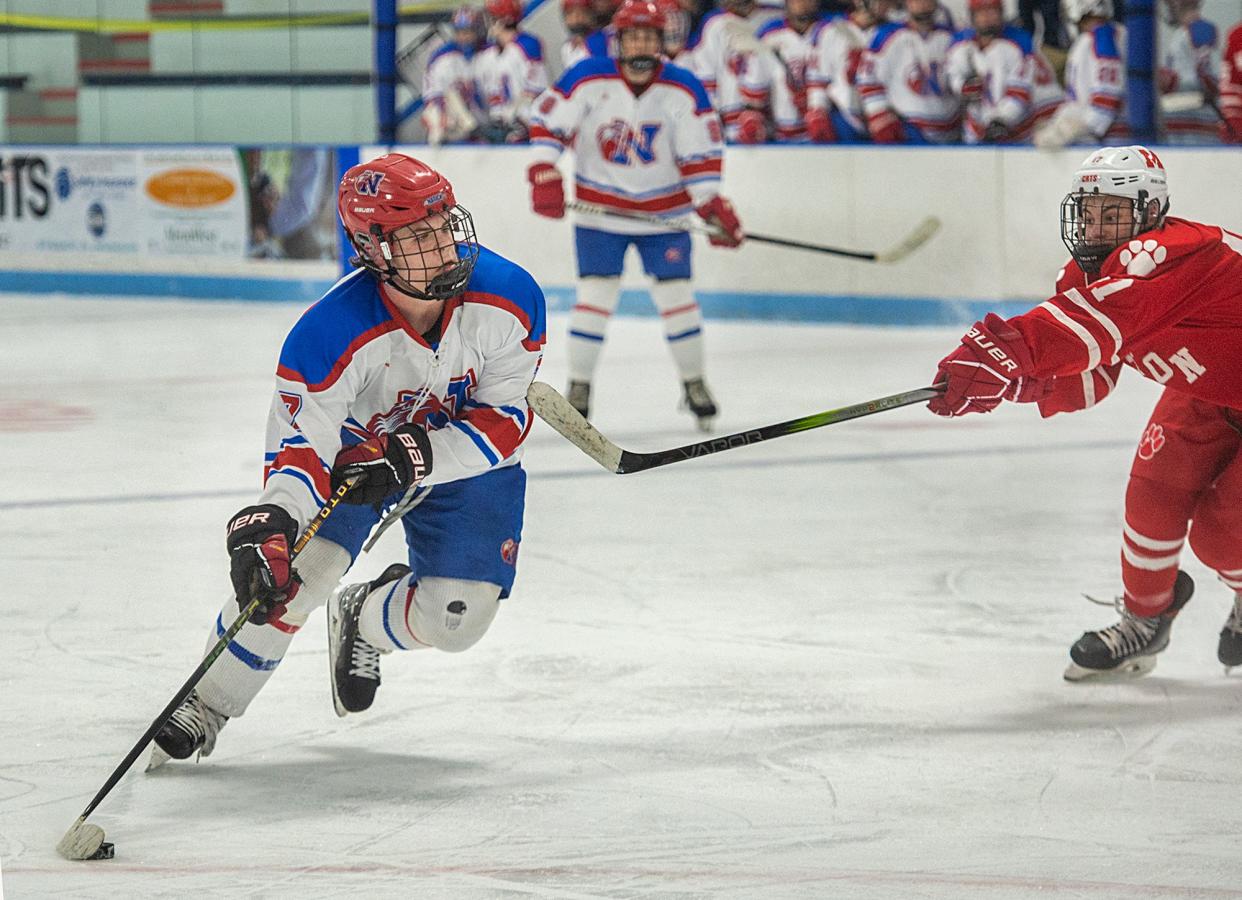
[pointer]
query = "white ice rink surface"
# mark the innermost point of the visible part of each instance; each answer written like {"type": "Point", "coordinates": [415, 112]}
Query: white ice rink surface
{"type": "Point", "coordinates": [825, 666]}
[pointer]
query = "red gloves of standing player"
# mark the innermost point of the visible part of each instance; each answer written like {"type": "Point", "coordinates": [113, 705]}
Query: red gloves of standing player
{"type": "Point", "coordinates": [547, 190]}
{"type": "Point", "coordinates": [719, 212]}
{"type": "Point", "coordinates": [992, 364]}
{"type": "Point", "coordinates": [752, 127]}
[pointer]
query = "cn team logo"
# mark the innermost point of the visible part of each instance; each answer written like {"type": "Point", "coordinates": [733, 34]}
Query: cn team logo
{"type": "Point", "coordinates": [509, 551]}
{"type": "Point", "coordinates": [293, 404]}
{"type": "Point", "coordinates": [1141, 257]}
{"type": "Point", "coordinates": [621, 144]}
{"type": "Point", "coordinates": [368, 183]}
{"type": "Point", "coordinates": [1153, 440]}
{"type": "Point", "coordinates": [925, 82]}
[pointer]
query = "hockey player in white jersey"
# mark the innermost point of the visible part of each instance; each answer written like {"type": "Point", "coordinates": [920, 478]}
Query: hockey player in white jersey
{"type": "Point", "coordinates": [990, 67]}
{"type": "Point", "coordinates": [733, 76]}
{"type": "Point", "coordinates": [901, 81]}
{"type": "Point", "coordinates": [1189, 66]}
{"type": "Point", "coordinates": [579, 22]}
{"type": "Point", "coordinates": [410, 374]}
{"type": "Point", "coordinates": [509, 73]}
{"type": "Point", "coordinates": [834, 109]}
{"type": "Point", "coordinates": [785, 66]}
{"type": "Point", "coordinates": [1095, 88]}
{"type": "Point", "coordinates": [450, 104]}
{"type": "Point", "coordinates": [646, 140]}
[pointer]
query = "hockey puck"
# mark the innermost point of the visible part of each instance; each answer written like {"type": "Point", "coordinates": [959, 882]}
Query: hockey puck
{"type": "Point", "coordinates": [106, 851]}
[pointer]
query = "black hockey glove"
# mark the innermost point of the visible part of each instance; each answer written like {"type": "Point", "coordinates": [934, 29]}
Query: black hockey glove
{"type": "Point", "coordinates": [386, 464]}
{"type": "Point", "coordinates": [259, 540]}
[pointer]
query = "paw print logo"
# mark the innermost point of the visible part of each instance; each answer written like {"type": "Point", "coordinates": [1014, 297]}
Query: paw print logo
{"type": "Point", "coordinates": [1152, 441]}
{"type": "Point", "coordinates": [1141, 257]}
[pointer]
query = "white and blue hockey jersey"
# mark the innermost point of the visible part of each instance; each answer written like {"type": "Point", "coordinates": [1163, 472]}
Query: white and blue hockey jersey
{"type": "Point", "coordinates": [1006, 68]}
{"type": "Point", "coordinates": [352, 366]}
{"type": "Point", "coordinates": [1188, 62]}
{"type": "Point", "coordinates": [449, 78]}
{"type": "Point", "coordinates": [903, 71]}
{"type": "Point", "coordinates": [508, 77]}
{"type": "Point", "coordinates": [787, 76]}
{"type": "Point", "coordinates": [658, 152]}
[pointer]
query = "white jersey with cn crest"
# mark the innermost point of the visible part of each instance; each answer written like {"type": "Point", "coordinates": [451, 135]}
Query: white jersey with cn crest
{"type": "Point", "coordinates": [1007, 71]}
{"type": "Point", "coordinates": [510, 76]}
{"type": "Point", "coordinates": [838, 45]}
{"type": "Point", "coordinates": [904, 71]}
{"type": "Point", "coordinates": [658, 153]}
{"type": "Point", "coordinates": [786, 75]}
{"type": "Point", "coordinates": [733, 77]}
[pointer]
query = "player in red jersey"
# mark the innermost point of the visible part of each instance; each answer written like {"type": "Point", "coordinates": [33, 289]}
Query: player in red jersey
{"type": "Point", "coordinates": [1164, 296]}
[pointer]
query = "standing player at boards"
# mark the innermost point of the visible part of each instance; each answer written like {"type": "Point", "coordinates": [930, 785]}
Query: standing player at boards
{"type": "Point", "coordinates": [411, 373]}
{"type": "Point", "coordinates": [1164, 296]}
{"type": "Point", "coordinates": [645, 139]}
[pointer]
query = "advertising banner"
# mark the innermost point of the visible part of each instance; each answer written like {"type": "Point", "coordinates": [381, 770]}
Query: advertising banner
{"type": "Point", "coordinates": [58, 202]}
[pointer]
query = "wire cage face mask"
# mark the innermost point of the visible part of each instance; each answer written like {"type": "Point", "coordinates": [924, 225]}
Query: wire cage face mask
{"type": "Point", "coordinates": [431, 259]}
{"type": "Point", "coordinates": [1093, 230]}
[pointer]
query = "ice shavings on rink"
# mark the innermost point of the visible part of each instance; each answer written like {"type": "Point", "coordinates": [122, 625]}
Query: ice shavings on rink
{"type": "Point", "coordinates": [829, 665]}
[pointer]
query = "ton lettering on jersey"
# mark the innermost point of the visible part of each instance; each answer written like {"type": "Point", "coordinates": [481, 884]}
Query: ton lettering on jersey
{"type": "Point", "coordinates": [1162, 370]}
{"type": "Point", "coordinates": [618, 142]}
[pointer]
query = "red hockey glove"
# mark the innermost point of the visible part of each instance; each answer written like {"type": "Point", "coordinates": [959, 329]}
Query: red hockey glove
{"type": "Point", "coordinates": [972, 89]}
{"type": "Point", "coordinates": [990, 365]}
{"type": "Point", "coordinates": [885, 128]}
{"type": "Point", "coordinates": [719, 211]}
{"type": "Point", "coordinates": [819, 126]}
{"type": "Point", "coordinates": [258, 541]}
{"type": "Point", "coordinates": [1166, 80]}
{"type": "Point", "coordinates": [386, 463]}
{"type": "Point", "coordinates": [752, 128]}
{"type": "Point", "coordinates": [547, 190]}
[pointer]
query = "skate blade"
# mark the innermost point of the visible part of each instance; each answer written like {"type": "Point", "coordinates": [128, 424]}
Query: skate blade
{"type": "Point", "coordinates": [158, 758]}
{"type": "Point", "coordinates": [1135, 668]}
{"type": "Point", "coordinates": [333, 650]}
{"type": "Point", "coordinates": [707, 424]}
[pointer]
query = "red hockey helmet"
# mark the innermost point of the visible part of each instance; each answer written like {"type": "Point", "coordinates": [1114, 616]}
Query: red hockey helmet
{"type": "Point", "coordinates": [638, 14]}
{"type": "Point", "coordinates": [402, 218]}
{"type": "Point", "coordinates": [676, 26]}
{"type": "Point", "coordinates": [975, 5]}
{"type": "Point", "coordinates": [508, 12]}
{"type": "Point", "coordinates": [567, 5]}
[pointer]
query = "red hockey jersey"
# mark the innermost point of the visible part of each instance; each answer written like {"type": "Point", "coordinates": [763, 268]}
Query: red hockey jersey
{"type": "Point", "coordinates": [1168, 303]}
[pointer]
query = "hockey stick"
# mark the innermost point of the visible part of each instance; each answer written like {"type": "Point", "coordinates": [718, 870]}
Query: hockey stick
{"type": "Point", "coordinates": [554, 409]}
{"type": "Point", "coordinates": [83, 841]}
{"type": "Point", "coordinates": [899, 251]}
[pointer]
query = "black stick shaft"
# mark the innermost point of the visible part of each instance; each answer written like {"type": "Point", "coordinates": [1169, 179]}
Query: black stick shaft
{"type": "Point", "coordinates": [637, 462]}
{"type": "Point", "coordinates": [119, 772]}
{"type": "Point", "coordinates": [802, 245]}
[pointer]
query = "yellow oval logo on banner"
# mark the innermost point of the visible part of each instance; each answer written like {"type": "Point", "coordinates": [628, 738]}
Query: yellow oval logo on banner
{"type": "Point", "coordinates": [190, 187]}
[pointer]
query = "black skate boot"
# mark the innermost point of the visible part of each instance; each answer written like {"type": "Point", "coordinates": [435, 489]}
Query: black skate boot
{"type": "Point", "coordinates": [579, 397]}
{"type": "Point", "coordinates": [698, 399]}
{"type": "Point", "coordinates": [1229, 650]}
{"type": "Point", "coordinates": [192, 728]}
{"type": "Point", "coordinates": [354, 663]}
{"type": "Point", "coordinates": [1130, 646]}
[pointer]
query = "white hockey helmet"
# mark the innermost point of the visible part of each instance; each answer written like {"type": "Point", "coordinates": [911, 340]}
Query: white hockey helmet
{"type": "Point", "coordinates": [1132, 173]}
{"type": "Point", "coordinates": [1075, 10]}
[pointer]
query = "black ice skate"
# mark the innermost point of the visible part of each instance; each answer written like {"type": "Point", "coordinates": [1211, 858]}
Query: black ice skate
{"type": "Point", "coordinates": [355, 664]}
{"type": "Point", "coordinates": [698, 399]}
{"type": "Point", "coordinates": [192, 728]}
{"type": "Point", "coordinates": [1229, 650]}
{"type": "Point", "coordinates": [1129, 647]}
{"type": "Point", "coordinates": [579, 397]}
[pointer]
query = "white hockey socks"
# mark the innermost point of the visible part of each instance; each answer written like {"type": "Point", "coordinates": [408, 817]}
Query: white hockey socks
{"type": "Point", "coordinates": [449, 614]}
{"type": "Point", "coordinates": [241, 671]}
{"type": "Point", "coordinates": [683, 325]}
{"type": "Point", "coordinates": [588, 322]}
